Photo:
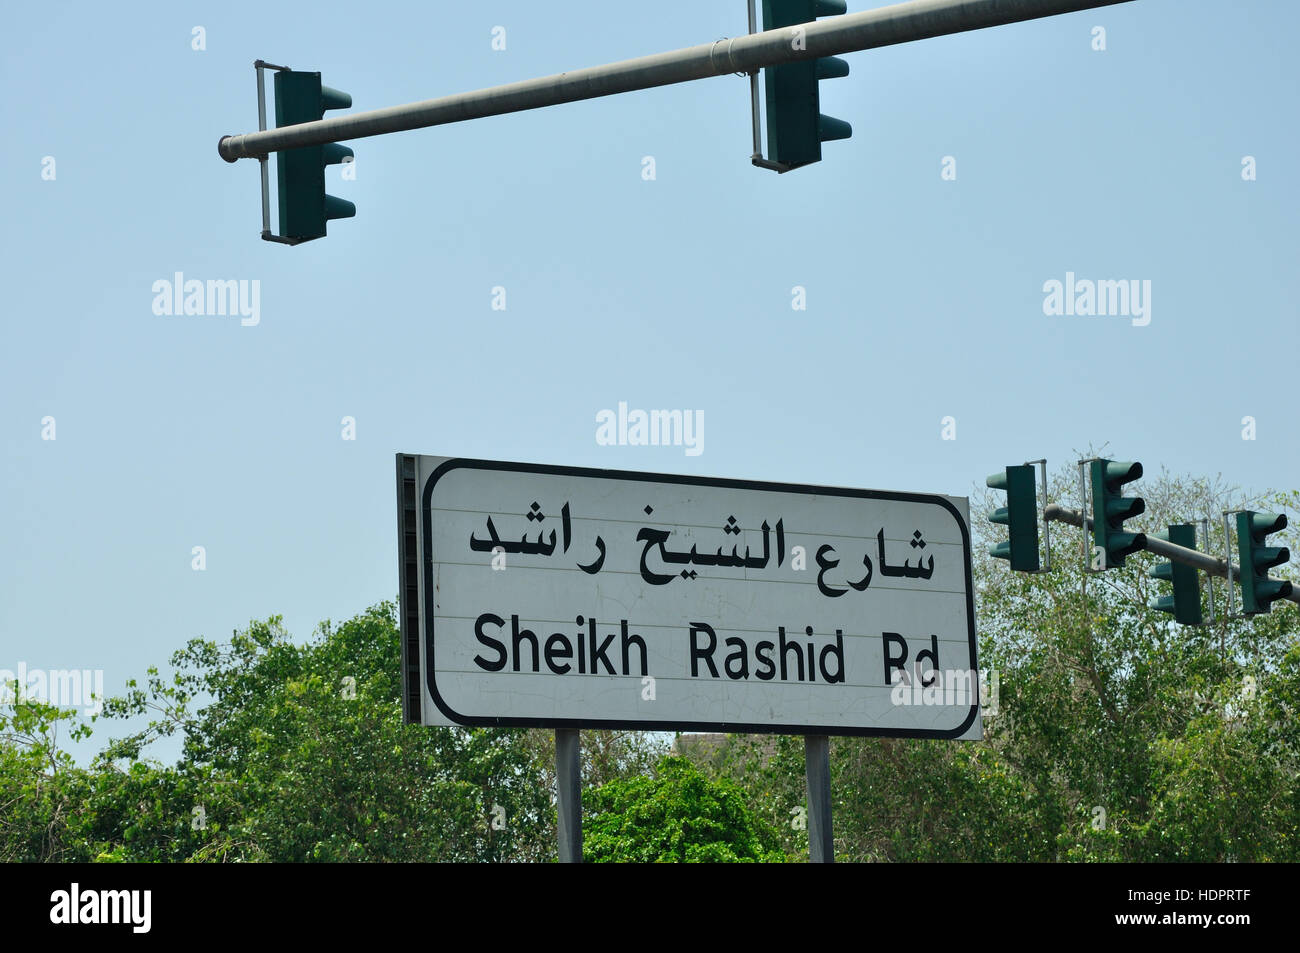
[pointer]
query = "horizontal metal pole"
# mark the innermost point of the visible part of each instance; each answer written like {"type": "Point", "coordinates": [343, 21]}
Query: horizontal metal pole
{"type": "Point", "coordinates": [1179, 554]}
{"type": "Point", "coordinates": [886, 26]}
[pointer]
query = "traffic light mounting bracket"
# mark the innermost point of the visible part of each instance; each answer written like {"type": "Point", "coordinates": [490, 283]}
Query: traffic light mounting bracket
{"type": "Point", "coordinates": [1232, 570]}
{"type": "Point", "coordinates": [1047, 526]}
{"type": "Point", "coordinates": [1085, 507]}
{"type": "Point", "coordinates": [756, 157]}
{"type": "Point", "coordinates": [267, 234]}
{"type": "Point", "coordinates": [1209, 579]}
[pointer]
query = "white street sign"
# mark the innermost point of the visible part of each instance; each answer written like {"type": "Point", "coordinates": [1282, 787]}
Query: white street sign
{"type": "Point", "coordinates": [551, 596]}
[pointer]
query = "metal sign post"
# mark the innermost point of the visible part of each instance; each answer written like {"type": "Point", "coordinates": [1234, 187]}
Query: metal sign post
{"type": "Point", "coordinates": [817, 768]}
{"type": "Point", "coordinates": [568, 793]}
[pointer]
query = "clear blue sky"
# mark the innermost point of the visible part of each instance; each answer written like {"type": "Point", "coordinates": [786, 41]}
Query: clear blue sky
{"type": "Point", "coordinates": [924, 296]}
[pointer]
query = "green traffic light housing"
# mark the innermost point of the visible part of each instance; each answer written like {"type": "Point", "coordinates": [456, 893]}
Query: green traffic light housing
{"type": "Point", "coordinates": [796, 127]}
{"type": "Point", "coordinates": [1185, 603]}
{"type": "Point", "coordinates": [1258, 592]}
{"type": "Point", "coordinates": [1020, 516]}
{"type": "Point", "coordinates": [300, 173]}
{"type": "Point", "coordinates": [1110, 509]}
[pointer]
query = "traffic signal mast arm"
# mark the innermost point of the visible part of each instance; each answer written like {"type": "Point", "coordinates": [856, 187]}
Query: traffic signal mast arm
{"type": "Point", "coordinates": [886, 26]}
{"type": "Point", "coordinates": [1171, 551]}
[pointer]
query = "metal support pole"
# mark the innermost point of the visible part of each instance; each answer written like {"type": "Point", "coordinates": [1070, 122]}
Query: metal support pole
{"type": "Point", "coordinates": [886, 26]}
{"type": "Point", "coordinates": [1227, 558]}
{"type": "Point", "coordinates": [1047, 526]}
{"type": "Point", "coordinates": [568, 783]}
{"type": "Point", "coordinates": [1083, 504]}
{"type": "Point", "coordinates": [1211, 566]}
{"type": "Point", "coordinates": [753, 90]}
{"type": "Point", "coordinates": [756, 157]}
{"type": "Point", "coordinates": [817, 767]}
{"type": "Point", "coordinates": [261, 160]}
{"type": "Point", "coordinates": [260, 66]}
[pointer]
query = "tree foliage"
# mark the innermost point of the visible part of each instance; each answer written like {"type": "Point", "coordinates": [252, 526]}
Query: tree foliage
{"type": "Point", "coordinates": [290, 753]}
{"type": "Point", "coordinates": [679, 815]}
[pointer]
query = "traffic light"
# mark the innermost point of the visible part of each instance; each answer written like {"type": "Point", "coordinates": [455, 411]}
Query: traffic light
{"type": "Point", "coordinates": [1258, 592]}
{"type": "Point", "coordinates": [1110, 509]}
{"type": "Point", "coordinates": [796, 128]}
{"type": "Point", "coordinates": [1020, 516]}
{"type": "Point", "coordinates": [1185, 603]}
{"type": "Point", "coordinates": [304, 206]}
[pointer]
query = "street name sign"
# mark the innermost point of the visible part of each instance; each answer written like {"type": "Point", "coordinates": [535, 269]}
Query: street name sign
{"type": "Point", "coordinates": [562, 597]}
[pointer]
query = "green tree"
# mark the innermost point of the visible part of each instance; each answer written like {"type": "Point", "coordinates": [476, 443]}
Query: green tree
{"type": "Point", "coordinates": [680, 815]}
{"type": "Point", "coordinates": [289, 753]}
{"type": "Point", "coordinates": [41, 788]}
{"type": "Point", "coordinates": [298, 752]}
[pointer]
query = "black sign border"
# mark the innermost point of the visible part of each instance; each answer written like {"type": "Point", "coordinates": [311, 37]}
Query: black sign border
{"type": "Point", "coordinates": [458, 463]}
